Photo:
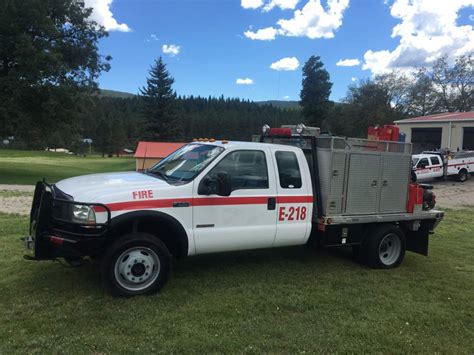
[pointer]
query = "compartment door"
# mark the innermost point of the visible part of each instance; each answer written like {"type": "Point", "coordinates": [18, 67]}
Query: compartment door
{"type": "Point", "coordinates": [363, 184]}
{"type": "Point", "coordinates": [394, 189]}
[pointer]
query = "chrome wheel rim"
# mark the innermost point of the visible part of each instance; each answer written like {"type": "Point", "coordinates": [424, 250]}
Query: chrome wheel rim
{"type": "Point", "coordinates": [389, 249]}
{"type": "Point", "coordinates": [137, 268]}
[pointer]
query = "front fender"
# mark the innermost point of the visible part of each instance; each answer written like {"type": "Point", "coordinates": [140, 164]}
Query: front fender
{"type": "Point", "coordinates": [160, 224]}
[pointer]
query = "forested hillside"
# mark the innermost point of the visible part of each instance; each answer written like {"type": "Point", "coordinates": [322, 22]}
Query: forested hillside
{"type": "Point", "coordinates": [114, 123]}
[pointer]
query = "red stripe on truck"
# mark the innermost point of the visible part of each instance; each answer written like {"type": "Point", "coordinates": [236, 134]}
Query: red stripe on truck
{"type": "Point", "coordinates": [202, 201]}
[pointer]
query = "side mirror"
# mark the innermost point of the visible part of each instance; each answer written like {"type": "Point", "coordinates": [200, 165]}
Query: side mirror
{"type": "Point", "coordinates": [224, 184]}
{"type": "Point", "coordinates": [220, 185]}
{"type": "Point", "coordinates": [208, 186]}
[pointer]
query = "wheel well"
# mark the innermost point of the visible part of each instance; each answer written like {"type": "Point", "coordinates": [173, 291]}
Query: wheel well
{"type": "Point", "coordinates": [159, 224]}
{"type": "Point", "coordinates": [370, 229]}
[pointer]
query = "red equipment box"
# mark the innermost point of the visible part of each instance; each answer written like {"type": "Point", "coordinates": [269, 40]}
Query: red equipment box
{"type": "Point", "coordinates": [415, 198]}
{"type": "Point", "coordinates": [384, 133]}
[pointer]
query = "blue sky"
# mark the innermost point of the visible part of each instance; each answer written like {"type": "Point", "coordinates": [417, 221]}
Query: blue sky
{"type": "Point", "coordinates": [216, 49]}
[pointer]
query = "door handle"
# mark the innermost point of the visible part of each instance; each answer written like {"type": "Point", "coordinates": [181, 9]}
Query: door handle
{"type": "Point", "coordinates": [374, 183]}
{"type": "Point", "coordinates": [271, 204]}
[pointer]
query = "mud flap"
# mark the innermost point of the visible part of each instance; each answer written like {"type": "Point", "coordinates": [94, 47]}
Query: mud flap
{"type": "Point", "coordinates": [417, 242]}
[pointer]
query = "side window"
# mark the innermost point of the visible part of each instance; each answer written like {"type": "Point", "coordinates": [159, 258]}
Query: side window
{"type": "Point", "coordinates": [247, 169]}
{"type": "Point", "coordinates": [435, 161]}
{"type": "Point", "coordinates": [423, 163]}
{"type": "Point", "coordinates": [288, 170]}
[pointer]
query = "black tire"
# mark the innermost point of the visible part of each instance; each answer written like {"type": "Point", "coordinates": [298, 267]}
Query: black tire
{"type": "Point", "coordinates": [136, 253]}
{"type": "Point", "coordinates": [386, 247]}
{"type": "Point", "coordinates": [463, 175]}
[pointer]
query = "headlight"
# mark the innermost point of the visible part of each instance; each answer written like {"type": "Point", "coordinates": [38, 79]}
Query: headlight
{"type": "Point", "coordinates": [265, 129]}
{"type": "Point", "coordinates": [300, 128]}
{"type": "Point", "coordinates": [83, 214]}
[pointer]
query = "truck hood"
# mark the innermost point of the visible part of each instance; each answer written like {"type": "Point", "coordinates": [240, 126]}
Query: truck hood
{"type": "Point", "coordinates": [102, 187]}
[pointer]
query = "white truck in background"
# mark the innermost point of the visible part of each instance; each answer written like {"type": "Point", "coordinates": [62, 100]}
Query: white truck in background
{"type": "Point", "coordinates": [432, 165]}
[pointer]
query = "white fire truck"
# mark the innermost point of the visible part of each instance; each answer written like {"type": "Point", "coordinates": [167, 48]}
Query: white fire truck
{"type": "Point", "coordinates": [291, 188]}
{"type": "Point", "coordinates": [432, 165]}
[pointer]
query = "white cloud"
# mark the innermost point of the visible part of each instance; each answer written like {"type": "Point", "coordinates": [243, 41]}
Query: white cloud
{"type": "Point", "coordinates": [287, 97]}
{"type": "Point", "coordinates": [103, 16]}
{"type": "Point", "coordinates": [312, 21]}
{"type": "Point", "coordinates": [171, 49]}
{"type": "Point", "coordinates": [264, 34]}
{"type": "Point", "coordinates": [282, 4]}
{"type": "Point", "coordinates": [288, 64]}
{"type": "Point", "coordinates": [246, 81]}
{"type": "Point", "coordinates": [353, 79]}
{"type": "Point", "coordinates": [269, 4]}
{"type": "Point", "coordinates": [251, 4]}
{"type": "Point", "coordinates": [427, 31]}
{"type": "Point", "coordinates": [348, 62]}
{"type": "Point", "coordinates": [153, 37]}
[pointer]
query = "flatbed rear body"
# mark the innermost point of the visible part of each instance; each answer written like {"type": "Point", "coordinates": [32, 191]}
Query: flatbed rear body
{"type": "Point", "coordinates": [359, 183]}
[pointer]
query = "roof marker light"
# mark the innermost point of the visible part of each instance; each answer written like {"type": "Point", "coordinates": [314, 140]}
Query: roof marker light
{"type": "Point", "coordinates": [284, 132]}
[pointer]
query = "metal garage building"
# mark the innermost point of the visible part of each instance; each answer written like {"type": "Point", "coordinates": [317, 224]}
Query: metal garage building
{"type": "Point", "coordinates": [453, 130]}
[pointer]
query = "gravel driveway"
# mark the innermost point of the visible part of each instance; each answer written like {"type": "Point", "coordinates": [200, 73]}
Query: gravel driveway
{"type": "Point", "coordinates": [449, 194]}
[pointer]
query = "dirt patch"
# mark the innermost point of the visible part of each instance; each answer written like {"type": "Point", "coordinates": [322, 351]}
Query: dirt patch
{"type": "Point", "coordinates": [24, 188]}
{"type": "Point", "coordinates": [454, 194]}
{"type": "Point", "coordinates": [17, 204]}
{"type": "Point", "coordinates": [16, 198]}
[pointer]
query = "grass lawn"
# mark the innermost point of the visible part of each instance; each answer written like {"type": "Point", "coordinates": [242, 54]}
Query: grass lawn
{"type": "Point", "coordinates": [290, 300]}
{"type": "Point", "coordinates": [27, 167]}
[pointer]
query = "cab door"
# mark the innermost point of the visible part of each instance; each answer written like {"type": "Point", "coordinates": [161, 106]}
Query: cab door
{"type": "Point", "coordinates": [294, 198]}
{"type": "Point", "coordinates": [436, 167]}
{"type": "Point", "coordinates": [247, 218]}
{"type": "Point", "coordinates": [423, 169]}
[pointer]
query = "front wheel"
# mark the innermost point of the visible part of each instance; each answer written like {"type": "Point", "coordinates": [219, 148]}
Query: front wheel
{"type": "Point", "coordinates": [386, 247]}
{"type": "Point", "coordinates": [462, 175]}
{"type": "Point", "coordinates": [136, 264]}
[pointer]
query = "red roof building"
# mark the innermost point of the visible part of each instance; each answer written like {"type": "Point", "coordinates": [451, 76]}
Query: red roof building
{"type": "Point", "coordinates": [441, 117]}
{"type": "Point", "coordinates": [452, 130]}
{"type": "Point", "coordinates": [150, 153]}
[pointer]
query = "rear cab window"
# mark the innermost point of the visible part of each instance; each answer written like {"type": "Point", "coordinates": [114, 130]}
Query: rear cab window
{"type": "Point", "coordinates": [435, 161]}
{"type": "Point", "coordinates": [288, 170]}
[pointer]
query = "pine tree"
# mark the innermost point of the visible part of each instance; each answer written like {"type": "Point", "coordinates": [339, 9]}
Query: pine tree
{"type": "Point", "coordinates": [160, 105]}
{"type": "Point", "coordinates": [315, 92]}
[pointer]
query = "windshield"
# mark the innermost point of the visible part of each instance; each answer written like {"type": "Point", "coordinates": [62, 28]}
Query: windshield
{"type": "Point", "coordinates": [415, 160]}
{"type": "Point", "coordinates": [186, 163]}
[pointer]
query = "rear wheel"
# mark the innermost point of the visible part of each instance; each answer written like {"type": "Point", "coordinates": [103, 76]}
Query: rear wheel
{"type": "Point", "coordinates": [386, 247]}
{"type": "Point", "coordinates": [462, 175]}
{"type": "Point", "coordinates": [136, 264]}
